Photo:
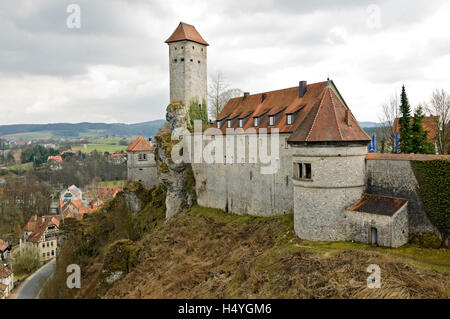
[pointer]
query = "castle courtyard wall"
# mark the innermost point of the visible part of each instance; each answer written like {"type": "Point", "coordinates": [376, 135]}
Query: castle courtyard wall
{"type": "Point", "coordinates": [396, 178]}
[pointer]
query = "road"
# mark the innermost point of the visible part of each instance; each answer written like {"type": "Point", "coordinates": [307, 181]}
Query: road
{"type": "Point", "coordinates": [31, 287]}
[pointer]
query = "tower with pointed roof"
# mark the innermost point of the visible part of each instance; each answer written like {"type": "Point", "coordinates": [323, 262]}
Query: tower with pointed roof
{"type": "Point", "coordinates": [188, 65]}
{"type": "Point", "coordinates": [141, 164]}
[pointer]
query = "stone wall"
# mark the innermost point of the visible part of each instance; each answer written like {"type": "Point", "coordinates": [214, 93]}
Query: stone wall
{"type": "Point", "coordinates": [396, 178]}
{"type": "Point", "coordinates": [143, 171]}
{"type": "Point", "coordinates": [241, 188]}
{"type": "Point", "coordinates": [392, 231]}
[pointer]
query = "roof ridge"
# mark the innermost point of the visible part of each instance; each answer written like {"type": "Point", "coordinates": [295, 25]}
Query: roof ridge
{"type": "Point", "coordinates": [335, 115]}
{"type": "Point", "coordinates": [315, 117]}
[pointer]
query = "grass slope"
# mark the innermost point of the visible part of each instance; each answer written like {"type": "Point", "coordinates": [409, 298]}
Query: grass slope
{"type": "Point", "coordinates": [207, 253]}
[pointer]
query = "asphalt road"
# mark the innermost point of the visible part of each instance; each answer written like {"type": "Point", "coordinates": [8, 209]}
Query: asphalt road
{"type": "Point", "coordinates": [31, 287]}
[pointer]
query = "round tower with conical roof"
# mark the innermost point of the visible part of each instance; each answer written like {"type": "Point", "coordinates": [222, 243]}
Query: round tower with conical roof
{"type": "Point", "coordinates": [188, 66]}
{"type": "Point", "coordinates": [328, 155]}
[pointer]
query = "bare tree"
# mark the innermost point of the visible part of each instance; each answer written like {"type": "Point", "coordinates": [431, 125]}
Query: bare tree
{"type": "Point", "coordinates": [440, 107]}
{"type": "Point", "coordinates": [389, 111]}
{"type": "Point", "coordinates": [219, 93]}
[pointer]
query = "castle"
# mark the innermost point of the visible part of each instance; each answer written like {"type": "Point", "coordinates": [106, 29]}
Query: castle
{"type": "Point", "coordinates": [325, 176]}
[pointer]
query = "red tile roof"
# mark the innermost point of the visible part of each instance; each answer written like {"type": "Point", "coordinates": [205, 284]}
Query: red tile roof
{"type": "Point", "coordinates": [322, 115]}
{"type": "Point", "coordinates": [5, 272]}
{"type": "Point", "coordinates": [56, 158]}
{"type": "Point", "coordinates": [379, 205]}
{"type": "Point", "coordinates": [37, 226]}
{"type": "Point", "coordinates": [3, 246]}
{"type": "Point", "coordinates": [140, 144]}
{"type": "Point", "coordinates": [186, 31]}
{"type": "Point", "coordinates": [404, 157]}
{"type": "Point", "coordinates": [429, 123]}
{"type": "Point", "coordinates": [3, 287]}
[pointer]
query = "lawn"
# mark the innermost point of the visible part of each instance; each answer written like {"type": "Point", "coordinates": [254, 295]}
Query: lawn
{"type": "Point", "coordinates": [100, 148]}
{"type": "Point", "coordinates": [21, 167]}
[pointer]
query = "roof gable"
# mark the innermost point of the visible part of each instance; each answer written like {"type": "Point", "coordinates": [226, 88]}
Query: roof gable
{"type": "Point", "coordinates": [140, 144]}
{"type": "Point", "coordinates": [186, 31]}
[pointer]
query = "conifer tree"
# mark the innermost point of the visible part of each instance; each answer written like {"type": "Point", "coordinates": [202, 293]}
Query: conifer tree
{"type": "Point", "coordinates": [405, 123]}
{"type": "Point", "coordinates": [419, 137]}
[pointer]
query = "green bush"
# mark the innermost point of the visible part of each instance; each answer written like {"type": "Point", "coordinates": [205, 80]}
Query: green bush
{"type": "Point", "coordinates": [434, 190]}
{"type": "Point", "coordinates": [427, 240]}
{"type": "Point", "coordinates": [26, 261]}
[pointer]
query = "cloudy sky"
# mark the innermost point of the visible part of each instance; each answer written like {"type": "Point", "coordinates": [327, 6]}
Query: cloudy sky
{"type": "Point", "coordinates": [115, 67]}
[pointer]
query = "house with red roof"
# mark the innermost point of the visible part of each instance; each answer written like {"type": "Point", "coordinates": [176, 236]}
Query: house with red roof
{"type": "Point", "coordinates": [6, 281]}
{"type": "Point", "coordinates": [42, 232]}
{"type": "Point", "coordinates": [141, 164]}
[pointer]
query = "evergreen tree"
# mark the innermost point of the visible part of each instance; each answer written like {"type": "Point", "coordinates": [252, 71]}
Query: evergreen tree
{"type": "Point", "coordinates": [405, 123]}
{"type": "Point", "coordinates": [419, 137]}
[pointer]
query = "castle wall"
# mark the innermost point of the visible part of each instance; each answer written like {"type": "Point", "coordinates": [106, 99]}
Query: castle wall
{"type": "Point", "coordinates": [337, 181]}
{"type": "Point", "coordinates": [188, 78]}
{"type": "Point", "coordinates": [241, 188]}
{"type": "Point", "coordinates": [143, 171]}
{"type": "Point", "coordinates": [396, 178]}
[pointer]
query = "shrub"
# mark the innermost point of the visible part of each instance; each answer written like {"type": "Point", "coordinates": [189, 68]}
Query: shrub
{"type": "Point", "coordinates": [427, 240]}
{"type": "Point", "coordinates": [26, 261]}
{"type": "Point", "coordinates": [433, 178]}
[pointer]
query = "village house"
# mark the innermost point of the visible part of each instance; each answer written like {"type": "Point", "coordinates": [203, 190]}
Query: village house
{"type": "Point", "coordinates": [6, 281]}
{"type": "Point", "coordinates": [5, 250]}
{"type": "Point", "coordinates": [42, 232]}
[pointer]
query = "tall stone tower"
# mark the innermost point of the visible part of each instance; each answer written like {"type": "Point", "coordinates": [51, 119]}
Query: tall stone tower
{"type": "Point", "coordinates": [187, 62]}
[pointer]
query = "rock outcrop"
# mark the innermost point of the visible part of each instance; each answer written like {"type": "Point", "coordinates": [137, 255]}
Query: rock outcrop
{"type": "Point", "coordinates": [178, 178]}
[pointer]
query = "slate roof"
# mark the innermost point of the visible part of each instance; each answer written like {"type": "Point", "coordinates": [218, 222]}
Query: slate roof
{"type": "Point", "coordinates": [321, 114]}
{"type": "Point", "coordinates": [378, 205]}
{"type": "Point", "coordinates": [140, 144]}
{"type": "Point", "coordinates": [186, 31]}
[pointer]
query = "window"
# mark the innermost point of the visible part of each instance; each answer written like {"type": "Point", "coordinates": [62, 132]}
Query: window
{"type": "Point", "coordinates": [271, 120]}
{"type": "Point", "coordinates": [255, 121]}
{"type": "Point", "coordinates": [191, 60]}
{"type": "Point", "coordinates": [193, 47]}
{"type": "Point", "coordinates": [289, 119]}
{"type": "Point", "coordinates": [241, 123]}
{"type": "Point", "coordinates": [43, 245]}
{"type": "Point", "coordinates": [302, 171]}
{"type": "Point", "coordinates": [286, 145]}
{"type": "Point", "coordinates": [198, 61]}
{"type": "Point", "coordinates": [219, 124]}
{"type": "Point", "coordinates": [229, 123]}
{"type": "Point", "coordinates": [48, 244]}
{"type": "Point", "coordinates": [48, 254]}
{"type": "Point", "coordinates": [51, 244]}
{"type": "Point", "coordinates": [182, 59]}
{"type": "Point", "coordinates": [175, 60]}
{"type": "Point", "coordinates": [202, 49]}
{"type": "Point", "coordinates": [53, 253]}
{"type": "Point", "coordinates": [175, 48]}
{"type": "Point", "coordinates": [182, 47]}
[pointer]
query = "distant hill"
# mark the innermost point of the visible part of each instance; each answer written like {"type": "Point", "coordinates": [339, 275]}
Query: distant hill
{"type": "Point", "coordinates": [369, 124]}
{"type": "Point", "coordinates": [61, 130]}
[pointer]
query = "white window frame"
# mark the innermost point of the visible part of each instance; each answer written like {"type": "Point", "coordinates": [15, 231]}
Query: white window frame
{"type": "Point", "coordinates": [241, 122]}
{"type": "Point", "coordinates": [272, 120]}
{"type": "Point", "coordinates": [289, 119]}
{"type": "Point", "coordinates": [255, 121]}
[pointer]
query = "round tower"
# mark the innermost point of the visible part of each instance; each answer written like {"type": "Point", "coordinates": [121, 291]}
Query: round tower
{"type": "Point", "coordinates": [188, 66]}
{"type": "Point", "coordinates": [328, 156]}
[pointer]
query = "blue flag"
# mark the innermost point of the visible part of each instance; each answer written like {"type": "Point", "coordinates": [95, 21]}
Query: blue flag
{"type": "Point", "coordinates": [372, 144]}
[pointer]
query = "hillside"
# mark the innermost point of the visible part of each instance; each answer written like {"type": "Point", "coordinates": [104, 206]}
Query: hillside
{"type": "Point", "coordinates": [58, 130]}
{"type": "Point", "coordinates": [207, 253]}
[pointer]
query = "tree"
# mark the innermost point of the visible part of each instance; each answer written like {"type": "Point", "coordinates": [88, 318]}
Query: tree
{"type": "Point", "coordinates": [384, 131]}
{"type": "Point", "coordinates": [27, 260]}
{"type": "Point", "coordinates": [219, 93]}
{"type": "Point", "coordinates": [405, 123]}
{"type": "Point", "coordinates": [419, 137]}
{"type": "Point", "coordinates": [440, 107]}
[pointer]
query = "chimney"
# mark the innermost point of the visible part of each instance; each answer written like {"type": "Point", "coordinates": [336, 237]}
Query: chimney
{"type": "Point", "coordinates": [246, 94]}
{"type": "Point", "coordinates": [347, 115]}
{"type": "Point", "coordinates": [263, 97]}
{"type": "Point", "coordinates": [302, 88]}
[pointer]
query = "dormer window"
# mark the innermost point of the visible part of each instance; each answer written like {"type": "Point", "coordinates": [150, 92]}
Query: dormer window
{"type": "Point", "coordinates": [255, 121]}
{"type": "Point", "coordinates": [289, 119]}
{"type": "Point", "coordinates": [241, 122]}
{"type": "Point", "coordinates": [271, 120]}
{"type": "Point", "coordinates": [229, 123]}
